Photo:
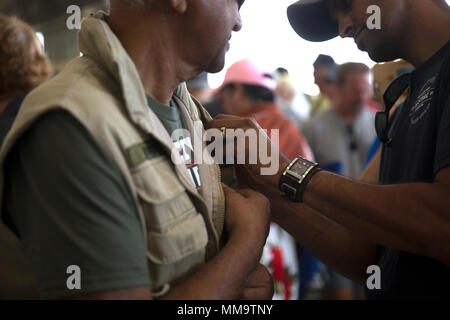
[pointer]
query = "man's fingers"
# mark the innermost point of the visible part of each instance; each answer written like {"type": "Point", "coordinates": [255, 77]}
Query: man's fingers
{"type": "Point", "coordinates": [259, 285]}
{"type": "Point", "coordinates": [220, 123]}
{"type": "Point", "coordinates": [251, 194]}
{"type": "Point", "coordinates": [226, 188]}
{"type": "Point", "coordinates": [229, 191]}
{"type": "Point", "coordinates": [259, 276]}
{"type": "Point", "coordinates": [228, 121]}
{"type": "Point", "coordinates": [226, 116]}
{"type": "Point", "coordinates": [246, 193]}
{"type": "Point", "coordinates": [242, 192]}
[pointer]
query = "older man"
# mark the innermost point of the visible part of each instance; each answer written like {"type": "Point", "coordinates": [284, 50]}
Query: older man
{"type": "Point", "coordinates": [341, 137]}
{"type": "Point", "coordinates": [393, 237]}
{"type": "Point", "coordinates": [103, 207]}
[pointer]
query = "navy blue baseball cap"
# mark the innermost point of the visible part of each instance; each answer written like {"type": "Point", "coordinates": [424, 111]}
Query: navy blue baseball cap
{"type": "Point", "coordinates": [312, 21]}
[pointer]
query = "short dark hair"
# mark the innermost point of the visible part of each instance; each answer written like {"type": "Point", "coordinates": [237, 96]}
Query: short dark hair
{"type": "Point", "coordinates": [324, 60]}
{"type": "Point", "coordinates": [282, 70]}
{"type": "Point", "coordinates": [254, 93]}
{"type": "Point", "coordinates": [351, 67]}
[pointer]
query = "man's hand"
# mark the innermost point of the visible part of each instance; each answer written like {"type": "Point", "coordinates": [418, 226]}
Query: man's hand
{"type": "Point", "coordinates": [271, 152]}
{"type": "Point", "coordinates": [233, 272]}
{"type": "Point", "coordinates": [259, 285]}
{"type": "Point", "coordinates": [247, 214]}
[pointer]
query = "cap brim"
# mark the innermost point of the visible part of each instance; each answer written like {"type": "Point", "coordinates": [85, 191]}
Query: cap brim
{"type": "Point", "coordinates": [312, 21]}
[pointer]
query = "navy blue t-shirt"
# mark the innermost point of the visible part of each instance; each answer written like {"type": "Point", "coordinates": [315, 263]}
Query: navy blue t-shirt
{"type": "Point", "coordinates": [420, 133]}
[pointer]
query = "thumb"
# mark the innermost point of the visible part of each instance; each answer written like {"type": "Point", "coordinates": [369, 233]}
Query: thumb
{"type": "Point", "coordinates": [228, 191]}
{"type": "Point", "coordinates": [247, 193]}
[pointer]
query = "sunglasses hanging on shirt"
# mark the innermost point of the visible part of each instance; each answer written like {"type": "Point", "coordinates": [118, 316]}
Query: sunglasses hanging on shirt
{"type": "Point", "coordinates": [353, 145]}
{"type": "Point", "coordinates": [390, 97]}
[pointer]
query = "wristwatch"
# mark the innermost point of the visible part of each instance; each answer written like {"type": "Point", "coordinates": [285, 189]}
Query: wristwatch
{"type": "Point", "coordinates": [295, 177]}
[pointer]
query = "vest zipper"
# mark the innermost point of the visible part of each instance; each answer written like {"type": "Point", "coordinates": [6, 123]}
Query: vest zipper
{"type": "Point", "coordinates": [221, 199]}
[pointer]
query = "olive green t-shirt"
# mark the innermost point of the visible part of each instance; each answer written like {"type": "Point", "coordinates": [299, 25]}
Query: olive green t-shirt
{"type": "Point", "coordinates": [171, 119]}
{"type": "Point", "coordinates": [169, 116]}
{"type": "Point", "coordinates": [70, 206]}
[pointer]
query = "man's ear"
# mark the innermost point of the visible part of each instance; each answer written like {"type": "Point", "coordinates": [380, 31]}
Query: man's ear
{"type": "Point", "coordinates": [179, 6]}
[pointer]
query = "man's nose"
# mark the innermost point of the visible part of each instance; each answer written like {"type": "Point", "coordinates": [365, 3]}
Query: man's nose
{"type": "Point", "coordinates": [238, 25]}
{"type": "Point", "coordinates": [346, 26]}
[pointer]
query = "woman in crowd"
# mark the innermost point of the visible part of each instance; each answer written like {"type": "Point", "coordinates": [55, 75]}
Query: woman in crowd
{"type": "Point", "coordinates": [23, 66]}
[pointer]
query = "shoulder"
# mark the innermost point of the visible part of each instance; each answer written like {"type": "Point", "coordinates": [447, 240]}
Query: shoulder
{"type": "Point", "coordinates": [55, 136]}
{"type": "Point", "coordinates": [82, 83]}
{"type": "Point", "coordinates": [90, 94]}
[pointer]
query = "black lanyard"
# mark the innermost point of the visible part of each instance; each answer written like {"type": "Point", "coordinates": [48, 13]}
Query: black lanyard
{"type": "Point", "coordinates": [390, 96]}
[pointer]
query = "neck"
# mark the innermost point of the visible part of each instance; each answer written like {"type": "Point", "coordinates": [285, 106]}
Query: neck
{"type": "Point", "coordinates": [149, 42]}
{"type": "Point", "coordinates": [429, 32]}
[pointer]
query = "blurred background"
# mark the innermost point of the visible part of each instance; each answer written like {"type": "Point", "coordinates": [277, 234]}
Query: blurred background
{"type": "Point", "coordinates": [48, 18]}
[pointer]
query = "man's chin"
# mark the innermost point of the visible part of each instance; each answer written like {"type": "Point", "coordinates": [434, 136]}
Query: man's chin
{"type": "Point", "coordinates": [215, 69]}
{"type": "Point", "coordinates": [380, 57]}
{"type": "Point", "coordinates": [377, 53]}
{"type": "Point", "coordinates": [216, 66]}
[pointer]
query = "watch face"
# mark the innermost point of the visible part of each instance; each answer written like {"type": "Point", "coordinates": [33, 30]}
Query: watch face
{"type": "Point", "coordinates": [299, 168]}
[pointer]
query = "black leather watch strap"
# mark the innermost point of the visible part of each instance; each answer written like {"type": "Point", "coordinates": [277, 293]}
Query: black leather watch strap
{"type": "Point", "coordinates": [296, 177]}
{"type": "Point", "coordinates": [305, 182]}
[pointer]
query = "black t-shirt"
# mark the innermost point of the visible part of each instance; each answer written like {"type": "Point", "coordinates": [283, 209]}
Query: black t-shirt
{"type": "Point", "coordinates": [420, 133]}
{"type": "Point", "coordinates": [8, 116]}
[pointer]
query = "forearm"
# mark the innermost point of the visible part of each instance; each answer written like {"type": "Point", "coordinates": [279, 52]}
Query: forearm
{"type": "Point", "coordinates": [224, 277]}
{"type": "Point", "coordinates": [409, 217]}
{"type": "Point", "coordinates": [334, 245]}
{"type": "Point", "coordinates": [372, 171]}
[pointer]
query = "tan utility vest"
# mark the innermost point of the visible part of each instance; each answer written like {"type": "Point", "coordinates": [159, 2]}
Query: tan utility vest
{"type": "Point", "coordinates": [102, 89]}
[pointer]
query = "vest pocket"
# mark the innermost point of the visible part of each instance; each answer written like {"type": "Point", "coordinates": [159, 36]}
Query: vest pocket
{"type": "Point", "coordinates": [179, 242]}
{"type": "Point", "coordinates": [176, 232]}
{"type": "Point", "coordinates": [156, 180]}
{"type": "Point", "coordinates": [175, 255]}
{"type": "Point", "coordinates": [163, 199]}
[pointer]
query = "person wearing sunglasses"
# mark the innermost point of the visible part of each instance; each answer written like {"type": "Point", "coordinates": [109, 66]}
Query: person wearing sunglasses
{"type": "Point", "coordinates": [392, 237]}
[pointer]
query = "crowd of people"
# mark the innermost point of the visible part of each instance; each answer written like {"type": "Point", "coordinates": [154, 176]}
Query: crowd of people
{"type": "Point", "coordinates": [88, 176]}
